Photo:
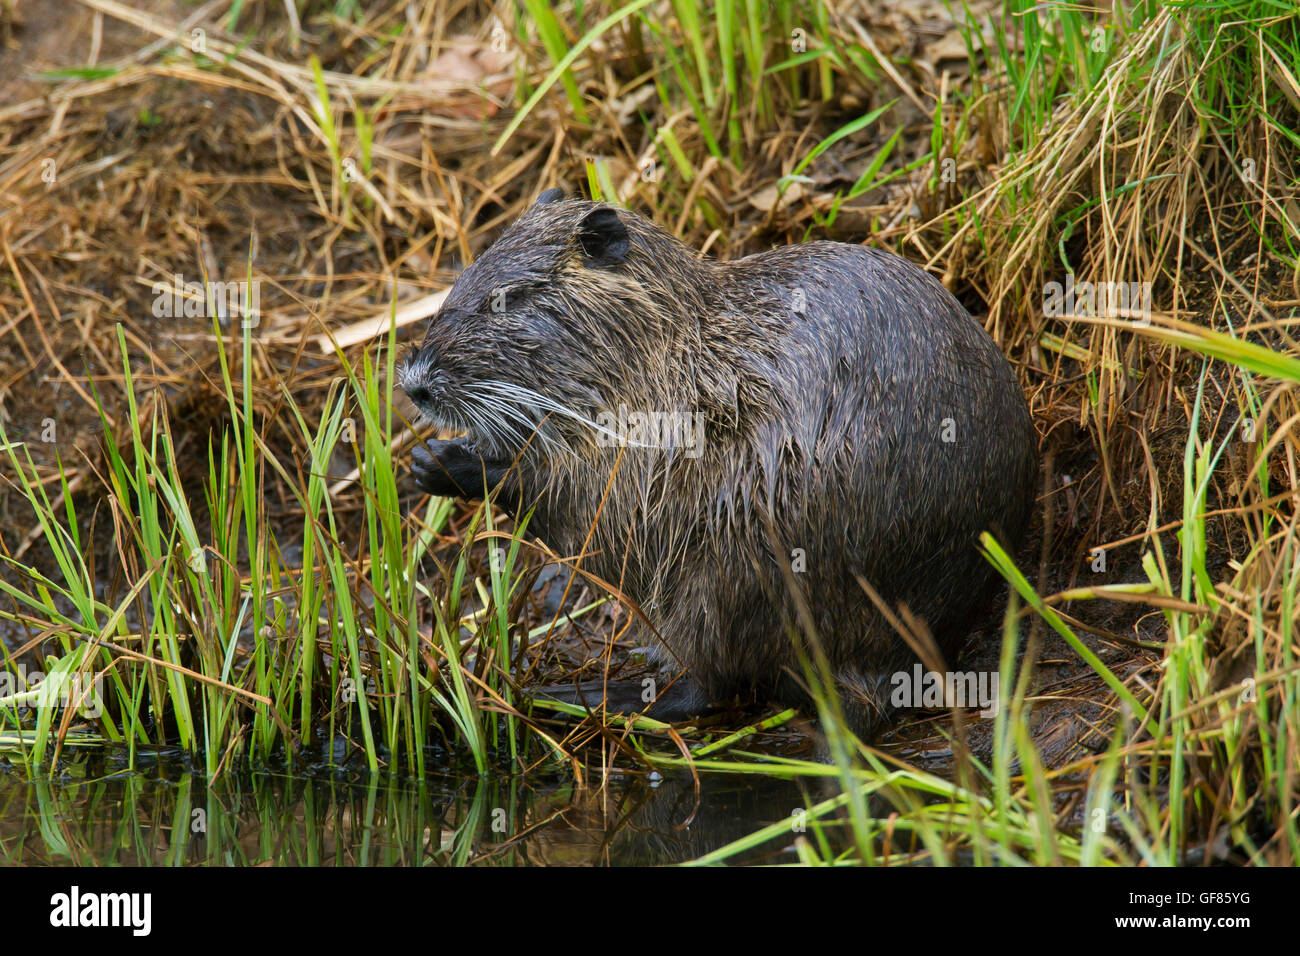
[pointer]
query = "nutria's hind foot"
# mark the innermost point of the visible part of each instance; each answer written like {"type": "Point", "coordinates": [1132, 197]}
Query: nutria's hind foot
{"type": "Point", "coordinates": [454, 469]}
{"type": "Point", "coordinates": [864, 700]}
{"type": "Point", "coordinates": [683, 700]}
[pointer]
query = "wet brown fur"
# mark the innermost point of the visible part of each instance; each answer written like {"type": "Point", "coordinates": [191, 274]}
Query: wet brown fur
{"type": "Point", "coordinates": [828, 376]}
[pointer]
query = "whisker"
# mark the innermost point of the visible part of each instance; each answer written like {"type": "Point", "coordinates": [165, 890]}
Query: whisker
{"type": "Point", "coordinates": [513, 409]}
{"type": "Point", "coordinates": [528, 397]}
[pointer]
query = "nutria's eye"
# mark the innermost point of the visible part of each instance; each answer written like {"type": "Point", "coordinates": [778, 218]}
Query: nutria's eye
{"type": "Point", "coordinates": [498, 301]}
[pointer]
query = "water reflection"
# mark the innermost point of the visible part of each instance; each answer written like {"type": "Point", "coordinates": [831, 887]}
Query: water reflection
{"type": "Point", "coordinates": [171, 816]}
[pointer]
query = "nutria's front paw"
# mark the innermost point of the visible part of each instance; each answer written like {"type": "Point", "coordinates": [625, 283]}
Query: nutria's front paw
{"type": "Point", "coordinates": [449, 468]}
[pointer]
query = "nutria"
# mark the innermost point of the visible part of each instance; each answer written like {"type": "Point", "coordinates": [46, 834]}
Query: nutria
{"type": "Point", "coordinates": [830, 397]}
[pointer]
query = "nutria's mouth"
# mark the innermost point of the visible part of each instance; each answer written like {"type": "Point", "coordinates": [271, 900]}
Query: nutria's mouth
{"type": "Point", "coordinates": [440, 415]}
{"type": "Point", "coordinates": [501, 418]}
{"type": "Point", "coordinates": [433, 411]}
{"type": "Point", "coordinates": [427, 387]}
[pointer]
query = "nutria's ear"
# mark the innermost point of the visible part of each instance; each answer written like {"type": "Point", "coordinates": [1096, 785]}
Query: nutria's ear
{"type": "Point", "coordinates": [603, 236]}
{"type": "Point", "coordinates": [551, 195]}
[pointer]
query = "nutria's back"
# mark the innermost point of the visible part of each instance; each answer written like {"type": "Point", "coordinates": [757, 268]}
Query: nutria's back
{"type": "Point", "coordinates": [836, 394]}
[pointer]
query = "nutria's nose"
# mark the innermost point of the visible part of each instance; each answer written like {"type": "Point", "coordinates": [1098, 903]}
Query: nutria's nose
{"type": "Point", "coordinates": [420, 394]}
{"type": "Point", "coordinates": [417, 376]}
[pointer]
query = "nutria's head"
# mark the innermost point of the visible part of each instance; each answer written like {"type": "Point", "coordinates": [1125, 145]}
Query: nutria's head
{"type": "Point", "coordinates": [569, 312]}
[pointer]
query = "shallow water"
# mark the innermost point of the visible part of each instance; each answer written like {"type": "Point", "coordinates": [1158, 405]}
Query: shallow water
{"type": "Point", "coordinates": [171, 816]}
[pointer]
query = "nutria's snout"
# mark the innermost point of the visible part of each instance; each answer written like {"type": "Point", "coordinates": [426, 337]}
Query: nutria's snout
{"type": "Point", "coordinates": [423, 379]}
{"type": "Point", "coordinates": [415, 376]}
